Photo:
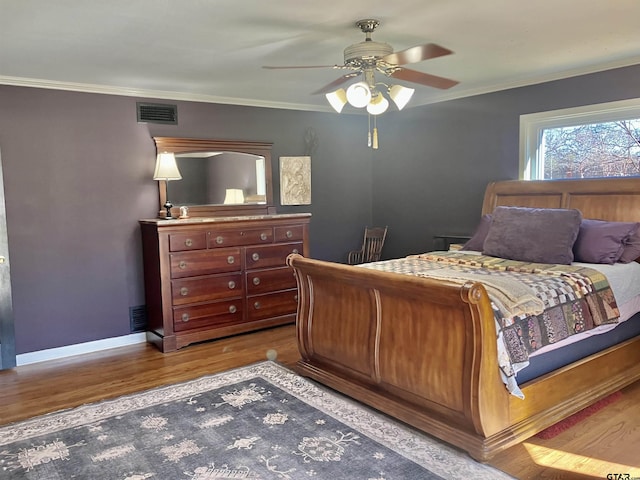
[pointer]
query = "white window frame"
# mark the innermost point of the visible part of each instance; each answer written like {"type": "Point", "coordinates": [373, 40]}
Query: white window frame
{"type": "Point", "coordinates": [532, 125]}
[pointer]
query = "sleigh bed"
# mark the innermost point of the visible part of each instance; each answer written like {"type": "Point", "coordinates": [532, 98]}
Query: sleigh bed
{"type": "Point", "coordinates": [424, 350]}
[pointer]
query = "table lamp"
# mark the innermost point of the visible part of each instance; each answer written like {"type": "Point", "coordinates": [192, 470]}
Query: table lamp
{"type": "Point", "coordinates": [167, 169]}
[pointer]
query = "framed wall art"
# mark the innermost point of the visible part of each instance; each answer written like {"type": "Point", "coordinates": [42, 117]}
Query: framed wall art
{"type": "Point", "coordinates": [295, 180]}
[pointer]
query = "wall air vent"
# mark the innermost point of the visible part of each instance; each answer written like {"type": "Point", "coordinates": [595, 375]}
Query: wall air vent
{"type": "Point", "coordinates": [138, 318]}
{"type": "Point", "coordinates": [157, 113]}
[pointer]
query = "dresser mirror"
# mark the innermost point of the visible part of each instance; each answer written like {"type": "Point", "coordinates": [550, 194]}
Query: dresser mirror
{"type": "Point", "coordinates": [219, 177]}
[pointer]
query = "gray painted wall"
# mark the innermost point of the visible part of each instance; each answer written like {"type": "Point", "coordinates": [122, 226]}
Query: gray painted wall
{"type": "Point", "coordinates": [78, 168]}
{"type": "Point", "coordinates": [78, 177]}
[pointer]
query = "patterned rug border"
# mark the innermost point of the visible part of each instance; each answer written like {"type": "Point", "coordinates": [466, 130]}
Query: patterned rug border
{"type": "Point", "coordinates": [438, 457]}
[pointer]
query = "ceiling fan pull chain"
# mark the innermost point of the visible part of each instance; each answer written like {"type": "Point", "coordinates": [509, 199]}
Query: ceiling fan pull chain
{"type": "Point", "coordinates": [375, 134]}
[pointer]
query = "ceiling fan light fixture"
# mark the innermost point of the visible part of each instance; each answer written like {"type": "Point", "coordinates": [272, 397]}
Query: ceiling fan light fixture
{"type": "Point", "coordinates": [359, 95]}
{"type": "Point", "coordinates": [401, 95]}
{"type": "Point", "coordinates": [337, 99]}
{"type": "Point", "coordinates": [378, 105]}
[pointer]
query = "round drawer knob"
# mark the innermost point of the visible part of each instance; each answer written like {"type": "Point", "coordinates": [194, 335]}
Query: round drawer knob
{"type": "Point", "coordinates": [185, 317]}
{"type": "Point", "coordinates": [219, 240]}
{"type": "Point", "coordinates": [256, 280]}
{"type": "Point", "coordinates": [289, 234]}
{"type": "Point", "coordinates": [232, 309]}
{"type": "Point", "coordinates": [188, 242]}
{"type": "Point", "coordinates": [256, 305]}
{"type": "Point", "coordinates": [182, 265]}
{"type": "Point", "coordinates": [295, 250]}
{"type": "Point", "coordinates": [255, 257]}
{"type": "Point", "coordinates": [295, 297]}
{"type": "Point", "coordinates": [231, 260]}
{"type": "Point", "coordinates": [232, 284]}
{"type": "Point", "coordinates": [263, 236]}
{"type": "Point", "coordinates": [184, 291]}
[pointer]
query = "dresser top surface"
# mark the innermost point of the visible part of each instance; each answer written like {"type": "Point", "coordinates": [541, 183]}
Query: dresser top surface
{"type": "Point", "coordinates": [227, 219]}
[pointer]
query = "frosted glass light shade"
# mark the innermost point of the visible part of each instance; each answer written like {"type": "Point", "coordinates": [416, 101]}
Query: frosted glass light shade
{"type": "Point", "coordinates": [359, 95]}
{"type": "Point", "coordinates": [166, 167]}
{"type": "Point", "coordinates": [233, 196]}
{"type": "Point", "coordinates": [401, 95]}
{"type": "Point", "coordinates": [337, 99]}
{"type": "Point", "coordinates": [378, 105]}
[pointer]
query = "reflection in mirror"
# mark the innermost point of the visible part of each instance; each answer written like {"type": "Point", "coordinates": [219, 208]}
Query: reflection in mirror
{"type": "Point", "coordinates": [211, 169]}
{"type": "Point", "coordinates": [217, 178]}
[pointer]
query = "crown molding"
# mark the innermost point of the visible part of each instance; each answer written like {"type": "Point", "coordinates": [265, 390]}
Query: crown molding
{"type": "Point", "coordinates": [529, 81]}
{"type": "Point", "coordinates": [443, 96]}
{"type": "Point", "coordinates": [158, 94]}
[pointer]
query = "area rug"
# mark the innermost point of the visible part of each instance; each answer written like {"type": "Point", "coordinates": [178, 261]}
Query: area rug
{"type": "Point", "coordinates": [563, 425]}
{"type": "Point", "coordinates": [261, 421]}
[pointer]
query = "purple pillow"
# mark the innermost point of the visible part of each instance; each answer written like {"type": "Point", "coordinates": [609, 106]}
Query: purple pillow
{"type": "Point", "coordinates": [540, 235]}
{"type": "Point", "coordinates": [631, 250]}
{"type": "Point", "coordinates": [476, 242]}
{"type": "Point", "coordinates": [600, 241]}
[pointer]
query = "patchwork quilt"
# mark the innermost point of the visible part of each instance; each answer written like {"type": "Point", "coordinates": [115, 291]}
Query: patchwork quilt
{"type": "Point", "coordinates": [535, 304]}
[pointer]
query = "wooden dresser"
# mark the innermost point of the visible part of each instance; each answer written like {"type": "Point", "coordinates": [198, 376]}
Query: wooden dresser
{"type": "Point", "coordinates": [212, 277]}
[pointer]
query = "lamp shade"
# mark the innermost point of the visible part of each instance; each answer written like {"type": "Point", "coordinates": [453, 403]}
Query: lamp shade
{"type": "Point", "coordinates": [233, 196]}
{"type": "Point", "coordinates": [359, 95]}
{"type": "Point", "coordinates": [401, 95]}
{"type": "Point", "coordinates": [337, 99]}
{"type": "Point", "coordinates": [166, 167]}
{"type": "Point", "coordinates": [378, 105]}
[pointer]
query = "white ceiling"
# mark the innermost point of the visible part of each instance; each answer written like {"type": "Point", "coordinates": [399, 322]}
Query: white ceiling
{"type": "Point", "coordinates": [213, 50]}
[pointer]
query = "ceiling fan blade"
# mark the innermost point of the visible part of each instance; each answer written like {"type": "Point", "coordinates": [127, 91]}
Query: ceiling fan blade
{"type": "Point", "coordinates": [301, 66]}
{"type": "Point", "coordinates": [336, 83]}
{"type": "Point", "coordinates": [423, 78]}
{"type": "Point", "coordinates": [416, 54]}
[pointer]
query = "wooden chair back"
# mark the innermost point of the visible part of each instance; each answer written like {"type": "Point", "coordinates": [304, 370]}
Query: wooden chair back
{"type": "Point", "coordinates": [371, 246]}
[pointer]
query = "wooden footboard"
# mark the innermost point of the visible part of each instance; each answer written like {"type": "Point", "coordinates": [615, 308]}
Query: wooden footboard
{"type": "Point", "coordinates": [424, 351]}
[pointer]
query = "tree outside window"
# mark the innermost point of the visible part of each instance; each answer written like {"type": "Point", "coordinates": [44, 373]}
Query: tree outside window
{"type": "Point", "coordinates": [600, 140]}
{"type": "Point", "coordinates": [609, 149]}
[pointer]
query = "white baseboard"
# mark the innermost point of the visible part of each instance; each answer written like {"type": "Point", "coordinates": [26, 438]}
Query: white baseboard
{"type": "Point", "coordinates": [79, 348]}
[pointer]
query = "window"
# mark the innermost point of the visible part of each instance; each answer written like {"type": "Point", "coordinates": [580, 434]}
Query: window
{"type": "Point", "coordinates": [592, 141]}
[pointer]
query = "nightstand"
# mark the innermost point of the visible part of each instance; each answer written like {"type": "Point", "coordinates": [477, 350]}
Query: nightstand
{"type": "Point", "coordinates": [444, 241]}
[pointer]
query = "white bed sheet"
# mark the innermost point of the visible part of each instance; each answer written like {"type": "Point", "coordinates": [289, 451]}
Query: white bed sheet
{"type": "Point", "coordinates": [624, 278]}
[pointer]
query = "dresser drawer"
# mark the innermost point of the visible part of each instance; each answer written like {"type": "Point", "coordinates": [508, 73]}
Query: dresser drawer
{"type": "Point", "coordinates": [216, 314]}
{"type": "Point", "coordinates": [272, 305]}
{"type": "Point", "coordinates": [204, 289]}
{"type": "Point", "coordinates": [187, 241]}
{"type": "Point", "coordinates": [289, 234]}
{"type": "Point", "coordinates": [240, 237]}
{"type": "Point", "coordinates": [263, 281]}
{"type": "Point", "coordinates": [270, 255]}
{"type": "Point", "coordinates": [205, 262]}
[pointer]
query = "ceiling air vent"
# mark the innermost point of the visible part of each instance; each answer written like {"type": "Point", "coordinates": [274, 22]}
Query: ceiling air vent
{"type": "Point", "coordinates": [157, 113]}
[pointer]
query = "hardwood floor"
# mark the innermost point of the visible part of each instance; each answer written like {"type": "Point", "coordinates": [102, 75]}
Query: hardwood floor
{"type": "Point", "coordinates": [608, 442]}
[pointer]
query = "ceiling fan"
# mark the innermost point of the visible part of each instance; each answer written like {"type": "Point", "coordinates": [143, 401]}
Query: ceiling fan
{"type": "Point", "coordinates": [368, 57]}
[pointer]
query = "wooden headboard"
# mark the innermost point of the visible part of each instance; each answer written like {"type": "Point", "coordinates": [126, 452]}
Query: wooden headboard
{"type": "Point", "coordinates": [613, 199]}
